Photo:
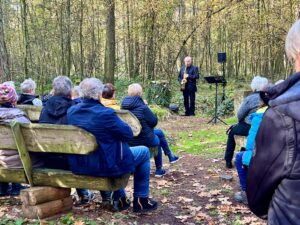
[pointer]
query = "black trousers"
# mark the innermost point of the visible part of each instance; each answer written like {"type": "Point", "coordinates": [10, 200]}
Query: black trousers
{"type": "Point", "coordinates": [241, 129]}
{"type": "Point", "coordinates": [189, 102]}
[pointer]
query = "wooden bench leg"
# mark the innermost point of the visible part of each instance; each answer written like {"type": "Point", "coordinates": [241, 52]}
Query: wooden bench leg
{"type": "Point", "coordinates": [43, 202]}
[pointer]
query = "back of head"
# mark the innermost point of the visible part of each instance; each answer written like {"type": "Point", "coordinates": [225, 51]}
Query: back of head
{"type": "Point", "coordinates": [91, 88]}
{"type": "Point", "coordinates": [108, 91]}
{"type": "Point", "coordinates": [62, 86]}
{"type": "Point", "coordinates": [292, 43]}
{"type": "Point", "coordinates": [135, 90]}
{"type": "Point", "coordinates": [76, 92]}
{"type": "Point", "coordinates": [259, 83]}
{"type": "Point", "coordinates": [8, 95]}
{"type": "Point", "coordinates": [28, 86]}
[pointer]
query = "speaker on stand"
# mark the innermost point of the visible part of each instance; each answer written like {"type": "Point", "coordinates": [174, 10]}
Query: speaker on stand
{"type": "Point", "coordinates": [222, 60]}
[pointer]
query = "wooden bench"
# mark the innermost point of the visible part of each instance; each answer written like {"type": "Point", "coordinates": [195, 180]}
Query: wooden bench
{"type": "Point", "coordinates": [33, 113]}
{"type": "Point", "coordinates": [67, 139]}
{"type": "Point", "coordinates": [26, 138]}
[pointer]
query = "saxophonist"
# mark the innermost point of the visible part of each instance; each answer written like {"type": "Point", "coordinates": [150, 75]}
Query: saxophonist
{"type": "Point", "coordinates": [188, 76]}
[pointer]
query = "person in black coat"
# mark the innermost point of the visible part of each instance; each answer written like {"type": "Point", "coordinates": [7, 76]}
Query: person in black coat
{"type": "Point", "coordinates": [149, 135]}
{"type": "Point", "coordinates": [28, 96]}
{"type": "Point", "coordinates": [55, 112]}
{"type": "Point", "coordinates": [188, 76]}
{"type": "Point", "coordinates": [273, 176]}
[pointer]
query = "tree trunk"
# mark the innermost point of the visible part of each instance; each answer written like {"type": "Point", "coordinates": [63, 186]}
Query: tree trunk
{"type": "Point", "coordinates": [81, 41]}
{"type": "Point", "coordinates": [4, 60]}
{"type": "Point", "coordinates": [69, 49]}
{"type": "Point", "coordinates": [25, 36]}
{"type": "Point", "coordinates": [110, 52]}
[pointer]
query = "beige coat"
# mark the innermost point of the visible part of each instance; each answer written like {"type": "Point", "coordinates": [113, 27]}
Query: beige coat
{"type": "Point", "coordinates": [10, 158]}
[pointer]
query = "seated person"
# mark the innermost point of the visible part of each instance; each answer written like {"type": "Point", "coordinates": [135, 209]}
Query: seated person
{"type": "Point", "coordinates": [76, 95]}
{"type": "Point", "coordinates": [149, 136]}
{"type": "Point", "coordinates": [55, 112]}
{"type": "Point", "coordinates": [8, 158]}
{"type": "Point", "coordinates": [109, 97]}
{"type": "Point", "coordinates": [28, 96]}
{"type": "Point", "coordinates": [243, 158]}
{"type": "Point", "coordinates": [113, 156]}
{"type": "Point", "coordinates": [248, 106]}
{"type": "Point", "coordinates": [273, 178]}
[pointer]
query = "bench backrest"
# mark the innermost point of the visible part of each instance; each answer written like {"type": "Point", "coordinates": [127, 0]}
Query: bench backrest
{"type": "Point", "coordinates": [33, 113]}
{"type": "Point", "coordinates": [26, 138]}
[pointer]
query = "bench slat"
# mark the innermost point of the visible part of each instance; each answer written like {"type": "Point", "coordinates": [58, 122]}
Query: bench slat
{"type": "Point", "coordinates": [50, 138]}
{"type": "Point", "coordinates": [33, 113]}
{"type": "Point", "coordinates": [131, 120]}
{"type": "Point", "coordinates": [12, 175]}
{"type": "Point", "coordinates": [65, 179]}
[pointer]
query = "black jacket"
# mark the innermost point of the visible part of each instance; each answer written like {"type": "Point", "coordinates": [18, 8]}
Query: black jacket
{"type": "Point", "coordinates": [147, 118]}
{"type": "Point", "coordinates": [273, 183]}
{"type": "Point", "coordinates": [26, 99]}
{"type": "Point", "coordinates": [55, 110]}
{"type": "Point", "coordinates": [193, 72]}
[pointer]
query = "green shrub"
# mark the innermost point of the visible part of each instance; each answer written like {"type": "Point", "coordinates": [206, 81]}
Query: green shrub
{"type": "Point", "coordinates": [159, 93]}
{"type": "Point", "coordinates": [161, 113]}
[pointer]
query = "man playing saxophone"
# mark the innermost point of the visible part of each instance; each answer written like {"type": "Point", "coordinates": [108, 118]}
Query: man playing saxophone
{"type": "Point", "coordinates": [187, 78]}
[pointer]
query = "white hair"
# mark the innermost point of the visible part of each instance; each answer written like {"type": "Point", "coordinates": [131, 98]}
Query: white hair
{"type": "Point", "coordinates": [292, 42]}
{"type": "Point", "coordinates": [259, 83]}
{"type": "Point", "coordinates": [135, 90]}
{"type": "Point", "coordinates": [188, 58]}
{"type": "Point", "coordinates": [76, 90]}
{"type": "Point", "coordinates": [62, 85]}
{"type": "Point", "coordinates": [28, 85]}
{"type": "Point", "coordinates": [91, 88]}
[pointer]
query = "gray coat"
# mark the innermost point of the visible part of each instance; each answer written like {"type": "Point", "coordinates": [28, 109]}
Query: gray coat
{"type": "Point", "coordinates": [248, 106]}
{"type": "Point", "coordinates": [9, 158]}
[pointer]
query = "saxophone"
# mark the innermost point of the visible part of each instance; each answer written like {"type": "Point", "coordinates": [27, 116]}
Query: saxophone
{"type": "Point", "coordinates": [183, 81]}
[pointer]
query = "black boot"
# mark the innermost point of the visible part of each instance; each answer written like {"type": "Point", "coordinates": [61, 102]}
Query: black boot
{"type": "Point", "coordinates": [144, 205]}
{"type": "Point", "coordinates": [229, 164]}
{"type": "Point", "coordinates": [122, 204]}
{"type": "Point", "coordinates": [4, 189]}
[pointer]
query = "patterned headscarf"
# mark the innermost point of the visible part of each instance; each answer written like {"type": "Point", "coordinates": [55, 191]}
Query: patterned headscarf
{"type": "Point", "coordinates": [7, 94]}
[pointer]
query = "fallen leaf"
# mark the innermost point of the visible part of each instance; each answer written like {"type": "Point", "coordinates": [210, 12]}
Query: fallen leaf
{"type": "Point", "coordinates": [184, 199]}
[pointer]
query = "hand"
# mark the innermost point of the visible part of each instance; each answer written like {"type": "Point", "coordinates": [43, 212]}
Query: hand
{"type": "Point", "coordinates": [185, 76]}
{"type": "Point", "coordinates": [145, 101]}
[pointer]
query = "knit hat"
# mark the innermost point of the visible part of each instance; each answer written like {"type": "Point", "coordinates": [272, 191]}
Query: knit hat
{"type": "Point", "coordinates": [7, 94]}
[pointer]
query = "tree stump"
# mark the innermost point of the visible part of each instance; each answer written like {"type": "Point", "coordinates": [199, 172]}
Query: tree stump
{"type": "Point", "coordinates": [43, 202]}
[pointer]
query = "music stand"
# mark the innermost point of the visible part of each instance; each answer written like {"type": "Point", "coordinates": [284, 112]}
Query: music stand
{"type": "Point", "coordinates": [216, 80]}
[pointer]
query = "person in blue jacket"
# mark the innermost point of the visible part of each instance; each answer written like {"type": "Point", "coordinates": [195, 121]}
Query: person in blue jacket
{"type": "Point", "coordinates": [113, 157]}
{"type": "Point", "coordinates": [149, 135]}
{"type": "Point", "coordinates": [242, 160]}
{"type": "Point", "coordinates": [189, 74]}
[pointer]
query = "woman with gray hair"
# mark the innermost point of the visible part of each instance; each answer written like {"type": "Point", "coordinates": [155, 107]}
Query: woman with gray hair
{"type": "Point", "coordinates": [28, 96]}
{"type": "Point", "coordinates": [248, 106]}
{"type": "Point", "coordinates": [273, 176]}
{"type": "Point", "coordinates": [113, 157]}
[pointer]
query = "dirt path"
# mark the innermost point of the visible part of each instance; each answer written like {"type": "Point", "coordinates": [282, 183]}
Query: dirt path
{"type": "Point", "coordinates": [191, 193]}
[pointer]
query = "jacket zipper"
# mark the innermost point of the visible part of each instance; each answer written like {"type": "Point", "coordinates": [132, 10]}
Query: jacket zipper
{"type": "Point", "coordinates": [121, 150]}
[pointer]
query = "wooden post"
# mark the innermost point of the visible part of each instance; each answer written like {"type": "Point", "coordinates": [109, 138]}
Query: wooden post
{"type": "Point", "coordinates": [37, 195]}
{"type": "Point", "coordinates": [23, 153]}
{"type": "Point", "coordinates": [48, 209]}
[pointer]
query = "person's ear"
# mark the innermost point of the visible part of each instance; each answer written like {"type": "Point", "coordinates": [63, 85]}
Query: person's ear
{"type": "Point", "coordinates": [297, 62]}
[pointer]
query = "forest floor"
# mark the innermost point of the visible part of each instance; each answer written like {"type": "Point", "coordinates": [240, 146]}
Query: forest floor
{"type": "Point", "coordinates": [191, 193]}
